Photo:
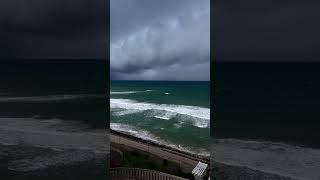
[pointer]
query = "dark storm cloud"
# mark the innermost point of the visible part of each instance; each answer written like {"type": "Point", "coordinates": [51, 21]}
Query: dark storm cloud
{"type": "Point", "coordinates": [178, 72]}
{"type": "Point", "coordinates": [266, 30]}
{"type": "Point", "coordinates": [168, 40]}
{"type": "Point", "coordinates": [53, 29]}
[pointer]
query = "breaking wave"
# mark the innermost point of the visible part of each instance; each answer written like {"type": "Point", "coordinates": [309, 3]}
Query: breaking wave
{"type": "Point", "coordinates": [199, 116]}
{"type": "Point", "coordinates": [162, 117]}
{"type": "Point", "coordinates": [128, 92]}
{"type": "Point", "coordinates": [145, 135]}
{"type": "Point", "coordinates": [47, 98]}
{"type": "Point", "coordinates": [123, 92]}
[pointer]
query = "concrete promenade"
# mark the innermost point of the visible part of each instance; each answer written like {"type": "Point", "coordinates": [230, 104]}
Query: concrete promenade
{"type": "Point", "coordinates": [184, 159]}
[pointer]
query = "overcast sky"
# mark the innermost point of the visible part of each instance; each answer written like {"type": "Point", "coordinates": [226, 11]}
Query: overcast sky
{"type": "Point", "coordinates": [167, 39]}
{"type": "Point", "coordinates": [53, 29]}
{"type": "Point", "coordinates": [160, 40]}
{"type": "Point", "coordinates": [267, 30]}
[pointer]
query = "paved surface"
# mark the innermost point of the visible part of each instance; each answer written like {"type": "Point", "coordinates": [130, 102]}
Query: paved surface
{"type": "Point", "coordinates": [184, 160]}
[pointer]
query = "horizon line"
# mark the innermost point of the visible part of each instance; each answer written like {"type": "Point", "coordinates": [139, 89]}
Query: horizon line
{"type": "Point", "coordinates": [159, 80]}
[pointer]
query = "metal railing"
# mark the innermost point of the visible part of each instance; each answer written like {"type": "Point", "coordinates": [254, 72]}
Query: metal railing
{"type": "Point", "coordinates": [140, 174]}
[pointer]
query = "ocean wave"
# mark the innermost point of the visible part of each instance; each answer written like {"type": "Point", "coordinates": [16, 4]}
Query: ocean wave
{"type": "Point", "coordinates": [124, 128]}
{"type": "Point", "coordinates": [52, 133]}
{"type": "Point", "coordinates": [46, 98]}
{"type": "Point", "coordinates": [162, 117]}
{"type": "Point", "coordinates": [199, 116]}
{"type": "Point", "coordinates": [145, 135]}
{"type": "Point", "coordinates": [123, 92]}
{"type": "Point", "coordinates": [280, 158]}
{"type": "Point", "coordinates": [178, 125]}
{"type": "Point", "coordinates": [128, 92]}
{"type": "Point", "coordinates": [122, 113]}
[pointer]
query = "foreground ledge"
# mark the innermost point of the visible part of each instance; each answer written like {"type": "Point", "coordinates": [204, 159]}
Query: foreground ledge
{"type": "Point", "coordinates": [140, 174]}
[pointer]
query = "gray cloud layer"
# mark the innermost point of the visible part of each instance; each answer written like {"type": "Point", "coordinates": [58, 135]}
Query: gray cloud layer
{"type": "Point", "coordinates": [160, 40]}
{"type": "Point", "coordinates": [67, 29]}
{"type": "Point", "coordinates": [279, 31]}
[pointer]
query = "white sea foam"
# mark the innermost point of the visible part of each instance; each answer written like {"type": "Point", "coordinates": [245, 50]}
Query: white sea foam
{"type": "Point", "coordinates": [49, 132]}
{"type": "Point", "coordinates": [286, 160]}
{"type": "Point", "coordinates": [165, 115]}
{"type": "Point", "coordinates": [123, 92]}
{"type": "Point", "coordinates": [178, 125]}
{"type": "Point", "coordinates": [162, 117]}
{"type": "Point", "coordinates": [46, 98]}
{"type": "Point", "coordinates": [167, 93]}
{"type": "Point", "coordinates": [129, 92]}
{"type": "Point", "coordinates": [198, 115]}
{"type": "Point", "coordinates": [122, 113]}
{"type": "Point", "coordinates": [134, 132]}
{"type": "Point", "coordinates": [127, 129]}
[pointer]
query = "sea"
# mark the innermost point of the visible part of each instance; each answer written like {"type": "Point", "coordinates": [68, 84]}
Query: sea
{"type": "Point", "coordinates": [54, 119]}
{"type": "Point", "coordinates": [265, 120]}
{"type": "Point", "coordinates": [267, 101]}
{"type": "Point", "coordinates": [73, 90]}
{"type": "Point", "coordinates": [175, 114]}
{"type": "Point", "coordinates": [171, 113]}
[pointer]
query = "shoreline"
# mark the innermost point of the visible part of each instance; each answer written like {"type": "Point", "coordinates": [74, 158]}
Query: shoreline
{"type": "Point", "coordinates": [183, 160]}
{"type": "Point", "coordinates": [116, 134]}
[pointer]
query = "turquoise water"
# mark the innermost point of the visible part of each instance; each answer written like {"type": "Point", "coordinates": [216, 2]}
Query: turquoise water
{"type": "Point", "coordinates": [171, 113]}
